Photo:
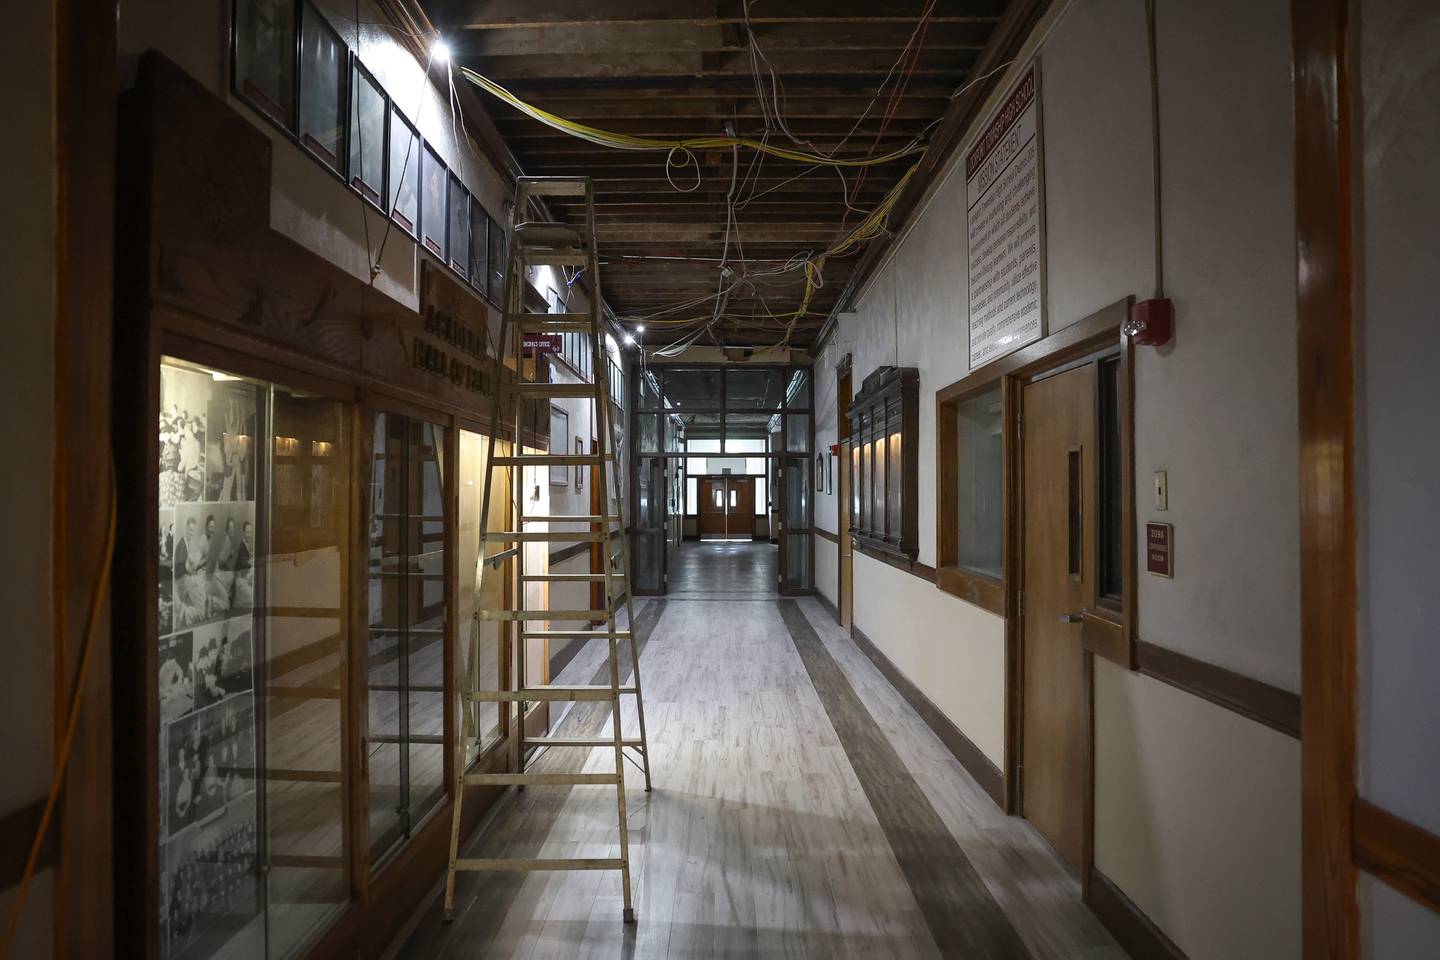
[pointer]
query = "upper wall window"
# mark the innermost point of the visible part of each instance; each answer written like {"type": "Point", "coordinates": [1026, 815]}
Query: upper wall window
{"type": "Point", "coordinates": [367, 136]}
{"type": "Point", "coordinates": [458, 241]}
{"type": "Point", "coordinates": [479, 261]}
{"type": "Point", "coordinates": [432, 202]}
{"type": "Point", "coordinates": [404, 172]}
{"type": "Point", "coordinates": [322, 89]}
{"type": "Point", "coordinates": [497, 261]}
{"type": "Point", "coordinates": [979, 471]}
{"type": "Point", "coordinates": [265, 57]}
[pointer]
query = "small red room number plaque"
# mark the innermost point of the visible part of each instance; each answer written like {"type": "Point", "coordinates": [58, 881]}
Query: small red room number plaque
{"type": "Point", "coordinates": [1160, 549]}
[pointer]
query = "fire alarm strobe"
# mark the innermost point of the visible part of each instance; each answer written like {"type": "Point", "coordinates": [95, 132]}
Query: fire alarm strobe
{"type": "Point", "coordinates": [1151, 322]}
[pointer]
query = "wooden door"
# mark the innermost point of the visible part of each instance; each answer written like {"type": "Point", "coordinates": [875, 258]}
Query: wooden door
{"type": "Point", "coordinates": [741, 521]}
{"type": "Point", "coordinates": [713, 498]}
{"type": "Point", "coordinates": [1059, 506]}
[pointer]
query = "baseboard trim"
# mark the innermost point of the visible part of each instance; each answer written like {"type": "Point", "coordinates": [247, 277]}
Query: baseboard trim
{"type": "Point", "coordinates": [830, 608]}
{"type": "Point", "coordinates": [970, 756]}
{"type": "Point", "coordinates": [1129, 926]}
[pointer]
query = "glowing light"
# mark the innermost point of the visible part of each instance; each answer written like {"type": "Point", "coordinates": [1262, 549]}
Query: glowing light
{"type": "Point", "coordinates": [440, 51]}
{"type": "Point", "coordinates": [629, 339]}
{"type": "Point", "coordinates": [640, 328]}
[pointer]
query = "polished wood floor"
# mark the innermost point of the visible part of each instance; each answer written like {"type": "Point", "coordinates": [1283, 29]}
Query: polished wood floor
{"type": "Point", "coordinates": [722, 569]}
{"type": "Point", "coordinates": [800, 809]}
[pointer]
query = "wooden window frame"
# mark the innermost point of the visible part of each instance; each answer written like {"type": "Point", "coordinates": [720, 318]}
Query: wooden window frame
{"type": "Point", "coordinates": [887, 390]}
{"type": "Point", "coordinates": [1108, 630]}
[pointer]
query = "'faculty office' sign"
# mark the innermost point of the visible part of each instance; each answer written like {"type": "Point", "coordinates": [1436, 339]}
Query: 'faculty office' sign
{"type": "Point", "coordinates": [1005, 241]}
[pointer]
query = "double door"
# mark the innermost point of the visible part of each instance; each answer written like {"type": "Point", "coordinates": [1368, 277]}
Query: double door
{"type": "Point", "coordinates": [727, 508]}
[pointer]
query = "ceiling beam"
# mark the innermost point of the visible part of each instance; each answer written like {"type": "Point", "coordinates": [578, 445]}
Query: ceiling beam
{"type": "Point", "coordinates": [513, 14]}
{"type": "Point", "coordinates": [679, 37]}
{"type": "Point", "coordinates": [808, 63]}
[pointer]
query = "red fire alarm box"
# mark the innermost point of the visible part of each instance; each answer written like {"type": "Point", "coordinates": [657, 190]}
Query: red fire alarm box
{"type": "Point", "coordinates": [1151, 322]}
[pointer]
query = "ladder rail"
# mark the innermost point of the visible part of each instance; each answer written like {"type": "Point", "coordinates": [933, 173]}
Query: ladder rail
{"type": "Point", "coordinates": [518, 612]}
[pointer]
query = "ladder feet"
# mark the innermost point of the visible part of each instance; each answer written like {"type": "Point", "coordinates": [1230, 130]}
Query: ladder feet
{"type": "Point", "coordinates": [447, 916]}
{"type": "Point", "coordinates": [629, 914]}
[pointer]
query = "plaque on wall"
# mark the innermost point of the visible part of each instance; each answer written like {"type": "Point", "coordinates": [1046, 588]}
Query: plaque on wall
{"type": "Point", "coordinates": [1005, 227]}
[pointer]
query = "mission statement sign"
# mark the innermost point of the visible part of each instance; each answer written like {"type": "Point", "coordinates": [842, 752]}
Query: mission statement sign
{"type": "Point", "coordinates": [1003, 239]}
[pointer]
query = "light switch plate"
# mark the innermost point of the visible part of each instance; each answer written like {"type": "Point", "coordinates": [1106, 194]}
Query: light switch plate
{"type": "Point", "coordinates": [1162, 491]}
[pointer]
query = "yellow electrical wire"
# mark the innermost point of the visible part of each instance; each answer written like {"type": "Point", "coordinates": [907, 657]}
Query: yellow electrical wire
{"type": "Point", "coordinates": [867, 229]}
{"type": "Point", "coordinates": [621, 141]}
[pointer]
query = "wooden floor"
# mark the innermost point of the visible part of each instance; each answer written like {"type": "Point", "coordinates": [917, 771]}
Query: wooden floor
{"type": "Point", "coordinates": [722, 569]}
{"type": "Point", "coordinates": [800, 808]}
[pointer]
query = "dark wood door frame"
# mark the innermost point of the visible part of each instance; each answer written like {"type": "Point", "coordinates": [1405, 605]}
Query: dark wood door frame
{"type": "Point", "coordinates": [1092, 335]}
{"type": "Point", "coordinates": [1330, 921]}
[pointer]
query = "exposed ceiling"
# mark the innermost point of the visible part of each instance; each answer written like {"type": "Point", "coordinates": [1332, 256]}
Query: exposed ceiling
{"type": "Point", "coordinates": [686, 68]}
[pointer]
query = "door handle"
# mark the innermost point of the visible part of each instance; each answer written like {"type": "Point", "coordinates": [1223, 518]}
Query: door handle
{"type": "Point", "coordinates": [1071, 618]}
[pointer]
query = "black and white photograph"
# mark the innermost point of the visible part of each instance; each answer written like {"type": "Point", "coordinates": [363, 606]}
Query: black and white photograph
{"type": "Point", "coordinates": [210, 761]}
{"type": "Point", "coordinates": [214, 562]}
{"type": "Point", "coordinates": [222, 660]}
{"type": "Point", "coordinates": [177, 676]}
{"type": "Point", "coordinates": [165, 531]}
{"type": "Point", "coordinates": [230, 442]}
{"type": "Point", "coordinates": [211, 886]}
{"type": "Point", "coordinates": [184, 396]}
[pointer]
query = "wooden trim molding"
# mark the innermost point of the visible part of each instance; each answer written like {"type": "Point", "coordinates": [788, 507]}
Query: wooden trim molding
{"type": "Point", "coordinates": [1276, 708]}
{"type": "Point", "coordinates": [984, 592]}
{"type": "Point", "coordinates": [970, 756]}
{"type": "Point", "coordinates": [1405, 856]}
{"type": "Point", "coordinates": [824, 534]}
{"type": "Point", "coordinates": [830, 608]}
{"type": "Point", "coordinates": [1320, 38]}
{"type": "Point", "coordinates": [1126, 922]}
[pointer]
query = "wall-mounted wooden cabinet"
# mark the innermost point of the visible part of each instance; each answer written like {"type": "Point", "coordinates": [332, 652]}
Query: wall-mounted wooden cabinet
{"type": "Point", "coordinates": [884, 461]}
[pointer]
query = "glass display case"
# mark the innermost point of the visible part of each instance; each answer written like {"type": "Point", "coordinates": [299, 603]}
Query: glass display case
{"type": "Point", "coordinates": [884, 431]}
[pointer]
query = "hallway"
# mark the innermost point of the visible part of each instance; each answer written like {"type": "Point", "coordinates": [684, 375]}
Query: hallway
{"type": "Point", "coordinates": [719, 570]}
{"type": "Point", "coordinates": [801, 808]}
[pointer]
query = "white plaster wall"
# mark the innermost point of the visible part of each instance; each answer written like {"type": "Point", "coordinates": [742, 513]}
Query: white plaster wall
{"type": "Point", "coordinates": [1095, 121]}
{"type": "Point", "coordinates": [1218, 408]}
{"type": "Point", "coordinates": [827, 569]}
{"type": "Point", "coordinates": [1197, 817]}
{"type": "Point", "coordinates": [27, 384]}
{"type": "Point", "coordinates": [953, 651]}
{"type": "Point", "coordinates": [1392, 926]}
{"type": "Point", "coordinates": [1399, 456]}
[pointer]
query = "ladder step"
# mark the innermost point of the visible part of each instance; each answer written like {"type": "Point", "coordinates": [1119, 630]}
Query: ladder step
{"type": "Point", "coordinates": [554, 186]}
{"type": "Point", "coordinates": [539, 234]}
{"type": "Point", "coordinates": [543, 536]}
{"type": "Point", "coordinates": [569, 257]}
{"type": "Point", "coordinates": [586, 518]}
{"type": "Point", "coordinates": [581, 742]}
{"type": "Point", "coordinates": [575, 634]}
{"type": "Point", "coordinates": [556, 390]}
{"type": "Point", "coordinates": [545, 692]}
{"type": "Point", "coordinates": [571, 577]}
{"type": "Point", "coordinates": [551, 460]}
{"type": "Point", "coordinates": [588, 863]}
{"type": "Point", "coordinates": [541, 614]}
{"type": "Point", "coordinates": [552, 322]}
{"type": "Point", "coordinates": [524, 779]}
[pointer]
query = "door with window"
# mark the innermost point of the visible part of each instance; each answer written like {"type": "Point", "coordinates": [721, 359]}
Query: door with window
{"type": "Point", "coordinates": [1059, 449]}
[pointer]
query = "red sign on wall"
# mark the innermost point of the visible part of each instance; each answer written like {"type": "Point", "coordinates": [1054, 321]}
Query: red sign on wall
{"type": "Point", "coordinates": [1160, 549]}
{"type": "Point", "coordinates": [540, 342]}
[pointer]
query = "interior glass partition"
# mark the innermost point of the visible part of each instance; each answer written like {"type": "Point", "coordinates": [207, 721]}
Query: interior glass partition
{"type": "Point", "coordinates": [744, 431]}
{"type": "Point", "coordinates": [405, 738]}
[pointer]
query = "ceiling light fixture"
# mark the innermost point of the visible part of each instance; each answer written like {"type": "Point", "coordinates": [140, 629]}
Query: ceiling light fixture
{"type": "Point", "coordinates": [629, 339]}
{"type": "Point", "coordinates": [440, 51]}
{"type": "Point", "coordinates": [639, 328]}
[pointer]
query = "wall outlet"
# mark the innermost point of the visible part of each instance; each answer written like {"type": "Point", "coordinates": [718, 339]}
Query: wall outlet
{"type": "Point", "coordinates": [1162, 491]}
